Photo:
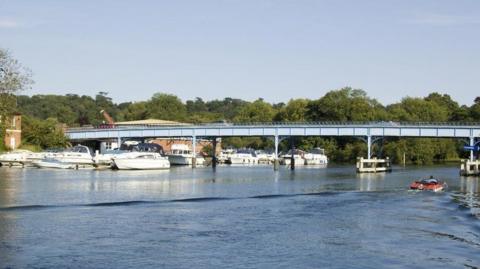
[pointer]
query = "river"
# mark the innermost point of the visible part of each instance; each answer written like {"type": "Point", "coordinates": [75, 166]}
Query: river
{"type": "Point", "coordinates": [237, 217]}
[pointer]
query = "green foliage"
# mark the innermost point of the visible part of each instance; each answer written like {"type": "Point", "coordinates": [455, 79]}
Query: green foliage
{"type": "Point", "coordinates": [258, 111]}
{"type": "Point", "coordinates": [34, 148]}
{"type": "Point", "coordinates": [13, 76]}
{"type": "Point", "coordinates": [42, 133]}
{"type": "Point", "coordinates": [418, 110]}
{"type": "Point", "coordinates": [294, 111]}
{"type": "Point", "coordinates": [345, 104]}
{"type": "Point", "coordinates": [422, 150]}
{"type": "Point", "coordinates": [133, 111]}
{"type": "Point", "coordinates": [167, 107]}
{"type": "Point", "coordinates": [71, 109]}
{"type": "Point", "coordinates": [247, 142]}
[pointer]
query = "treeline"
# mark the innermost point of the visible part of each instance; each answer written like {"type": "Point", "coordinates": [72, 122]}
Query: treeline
{"type": "Point", "coordinates": [344, 105]}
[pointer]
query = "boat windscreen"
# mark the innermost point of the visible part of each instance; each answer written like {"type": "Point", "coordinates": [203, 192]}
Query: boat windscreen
{"type": "Point", "coordinates": [430, 181]}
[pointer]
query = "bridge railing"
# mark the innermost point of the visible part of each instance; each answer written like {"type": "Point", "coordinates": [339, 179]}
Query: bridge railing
{"type": "Point", "coordinates": [380, 124]}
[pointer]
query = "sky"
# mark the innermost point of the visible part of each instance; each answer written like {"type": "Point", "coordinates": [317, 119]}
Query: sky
{"type": "Point", "coordinates": [249, 49]}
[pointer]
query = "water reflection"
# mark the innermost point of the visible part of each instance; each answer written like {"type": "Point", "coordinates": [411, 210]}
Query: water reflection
{"type": "Point", "coordinates": [7, 219]}
{"type": "Point", "coordinates": [371, 181]}
{"type": "Point", "coordinates": [470, 194]}
{"type": "Point", "coordinates": [469, 185]}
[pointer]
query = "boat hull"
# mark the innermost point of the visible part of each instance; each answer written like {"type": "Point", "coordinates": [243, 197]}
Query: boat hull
{"type": "Point", "coordinates": [53, 164]}
{"type": "Point", "coordinates": [141, 164]}
{"type": "Point", "coordinates": [184, 160]}
{"type": "Point", "coordinates": [242, 160]}
{"type": "Point", "coordinates": [427, 187]}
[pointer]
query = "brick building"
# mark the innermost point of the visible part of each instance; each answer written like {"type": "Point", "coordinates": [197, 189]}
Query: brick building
{"type": "Point", "coordinates": [13, 133]}
{"type": "Point", "coordinates": [167, 143]}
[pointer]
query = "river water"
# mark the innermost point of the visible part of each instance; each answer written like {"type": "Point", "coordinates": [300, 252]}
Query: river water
{"type": "Point", "coordinates": [237, 217]}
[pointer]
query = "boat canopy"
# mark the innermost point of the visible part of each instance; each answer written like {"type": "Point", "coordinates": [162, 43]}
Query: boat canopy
{"type": "Point", "coordinates": [148, 147]}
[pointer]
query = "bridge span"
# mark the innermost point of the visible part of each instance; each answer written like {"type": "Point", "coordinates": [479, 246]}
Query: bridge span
{"type": "Point", "coordinates": [368, 131]}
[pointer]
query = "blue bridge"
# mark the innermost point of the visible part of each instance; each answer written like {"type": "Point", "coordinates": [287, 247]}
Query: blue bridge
{"type": "Point", "coordinates": [368, 131]}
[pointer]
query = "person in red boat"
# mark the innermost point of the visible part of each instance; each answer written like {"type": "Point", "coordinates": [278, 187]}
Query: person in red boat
{"type": "Point", "coordinates": [429, 184]}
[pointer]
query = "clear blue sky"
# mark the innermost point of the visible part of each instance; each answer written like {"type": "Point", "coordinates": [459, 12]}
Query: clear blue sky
{"type": "Point", "coordinates": [246, 49]}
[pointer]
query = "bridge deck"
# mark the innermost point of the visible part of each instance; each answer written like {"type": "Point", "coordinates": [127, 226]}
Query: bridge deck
{"type": "Point", "coordinates": [293, 129]}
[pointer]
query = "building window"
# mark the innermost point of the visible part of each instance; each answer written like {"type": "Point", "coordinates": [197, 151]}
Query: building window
{"type": "Point", "coordinates": [108, 145]}
{"type": "Point", "coordinates": [13, 122]}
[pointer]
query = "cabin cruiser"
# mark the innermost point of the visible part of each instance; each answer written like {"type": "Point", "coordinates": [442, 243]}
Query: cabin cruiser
{"type": "Point", "coordinates": [315, 157]}
{"type": "Point", "coordinates": [243, 156]}
{"type": "Point", "coordinates": [428, 184]}
{"type": "Point", "coordinates": [144, 156]}
{"type": "Point", "coordinates": [106, 158]}
{"type": "Point", "coordinates": [285, 159]}
{"type": "Point", "coordinates": [182, 155]}
{"type": "Point", "coordinates": [16, 157]}
{"type": "Point", "coordinates": [265, 156]}
{"type": "Point", "coordinates": [224, 155]}
{"type": "Point", "coordinates": [76, 157]}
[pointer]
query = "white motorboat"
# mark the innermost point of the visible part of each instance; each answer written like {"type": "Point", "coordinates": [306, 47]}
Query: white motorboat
{"type": "Point", "coordinates": [224, 155]}
{"type": "Point", "coordinates": [75, 157]}
{"type": "Point", "coordinates": [182, 155]}
{"type": "Point", "coordinates": [144, 156]}
{"type": "Point", "coordinates": [16, 157]}
{"type": "Point", "coordinates": [243, 157]}
{"type": "Point", "coordinates": [106, 158]}
{"type": "Point", "coordinates": [141, 161]}
{"type": "Point", "coordinates": [285, 159]}
{"type": "Point", "coordinates": [53, 163]}
{"type": "Point", "coordinates": [264, 156]}
{"type": "Point", "coordinates": [315, 157]}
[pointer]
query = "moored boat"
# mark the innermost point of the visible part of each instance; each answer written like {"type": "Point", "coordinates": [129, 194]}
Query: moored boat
{"type": "Point", "coordinates": [76, 157]}
{"type": "Point", "coordinates": [285, 159]}
{"type": "Point", "coordinates": [243, 156]}
{"type": "Point", "coordinates": [182, 155]}
{"type": "Point", "coordinates": [144, 156]}
{"type": "Point", "coordinates": [53, 163]}
{"type": "Point", "coordinates": [265, 157]}
{"type": "Point", "coordinates": [141, 161]}
{"type": "Point", "coordinates": [17, 157]}
{"type": "Point", "coordinates": [315, 157]}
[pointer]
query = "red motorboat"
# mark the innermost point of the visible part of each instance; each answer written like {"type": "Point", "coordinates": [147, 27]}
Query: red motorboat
{"type": "Point", "coordinates": [429, 184]}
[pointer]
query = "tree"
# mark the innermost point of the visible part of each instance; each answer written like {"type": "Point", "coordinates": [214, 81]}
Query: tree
{"type": "Point", "coordinates": [42, 133]}
{"type": "Point", "coordinates": [166, 107]}
{"type": "Point", "coordinates": [13, 79]}
{"type": "Point", "coordinates": [13, 76]}
{"type": "Point", "coordinates": [134, 111]}
{"type": "Point", "coordinates": [419, 110]}
{"type": "Point", "coordinates": [258, 111]}
{"type": "Point", "coordinates": [475, 110]}
{"type": "Point", "coordinates": [346, 104]}
{"type": "Point", "coordinates": [294, 111]}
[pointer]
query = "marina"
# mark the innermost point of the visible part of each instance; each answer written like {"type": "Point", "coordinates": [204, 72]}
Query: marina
{"type": "Point", "coordinates": [370, 132]}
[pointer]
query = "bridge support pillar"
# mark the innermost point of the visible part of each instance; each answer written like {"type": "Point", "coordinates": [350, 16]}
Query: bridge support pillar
{"type": "Point", "coordinates": [119, 142]}
{"type": "Point", "coordinates": [214, 153]}
{"type": "Point", "coordinates": [369, 147]}
{"type": "Point", "coordinates": [472, 144]}
{"type": "Point", "coordinates": [194, 151]}
{"type": "Point", "coordinates": [292, 155]}
{"type": "Point", "coordinates": [276, 163]}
